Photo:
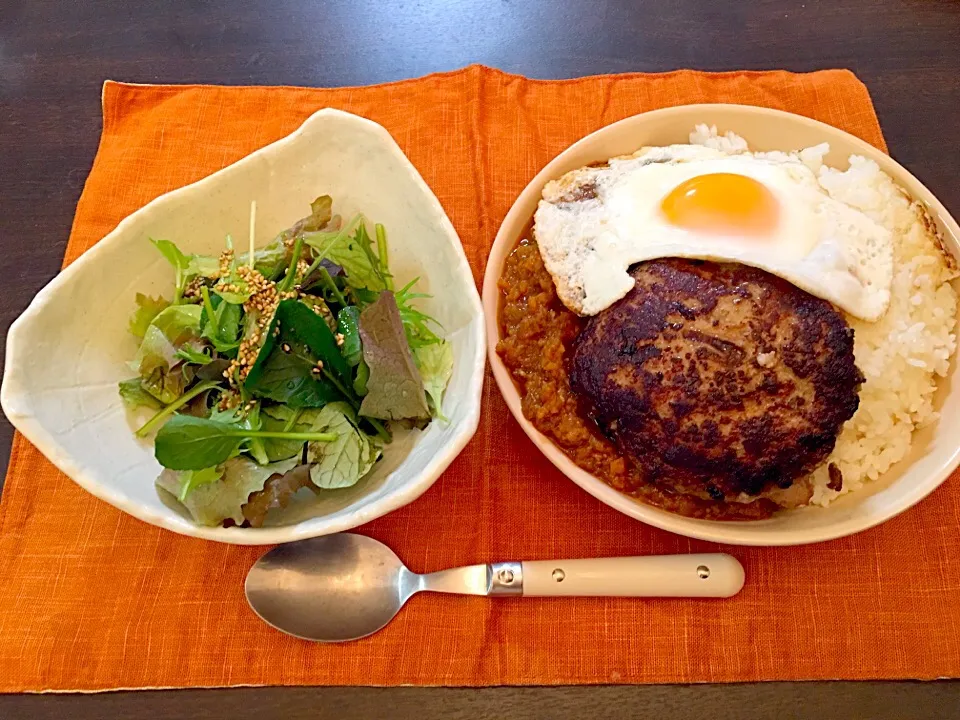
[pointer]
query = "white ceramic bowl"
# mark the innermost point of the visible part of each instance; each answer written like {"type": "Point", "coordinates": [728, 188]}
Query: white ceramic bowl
{"type": "Point", "coordinates": [936, 450]}
{"type": "Point", "coordinates": [68, 350]}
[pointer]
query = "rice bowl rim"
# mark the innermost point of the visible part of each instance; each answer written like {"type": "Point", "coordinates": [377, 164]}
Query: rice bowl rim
{"type": "Point", "coordinates": [764, 129]}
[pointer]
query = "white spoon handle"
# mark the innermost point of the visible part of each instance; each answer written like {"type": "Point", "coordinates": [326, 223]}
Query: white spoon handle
{"type": "Point", "coordinates": [704, 575]}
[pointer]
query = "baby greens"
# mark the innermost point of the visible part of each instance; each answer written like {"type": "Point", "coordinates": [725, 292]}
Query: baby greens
{"type": "Point", "coordinates": [281, 371]}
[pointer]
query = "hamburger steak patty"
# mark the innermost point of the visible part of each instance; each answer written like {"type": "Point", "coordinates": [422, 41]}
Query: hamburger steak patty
{"type": "Point", "coordinates": [717, 378]}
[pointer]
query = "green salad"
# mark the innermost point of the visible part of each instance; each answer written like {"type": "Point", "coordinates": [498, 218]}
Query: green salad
{"type": "Point", "coordinates": [282, 368]}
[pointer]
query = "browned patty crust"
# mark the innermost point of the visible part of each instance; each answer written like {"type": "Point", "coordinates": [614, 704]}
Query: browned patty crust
{"type": "Point", "coordinates": [717, 378]}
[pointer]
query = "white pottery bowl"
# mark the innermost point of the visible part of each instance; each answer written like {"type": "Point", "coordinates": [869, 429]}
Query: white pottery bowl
{"type": "Point", "coordinates": [68, 350]}
{"type": "Point", "coordinates": [936, 449]}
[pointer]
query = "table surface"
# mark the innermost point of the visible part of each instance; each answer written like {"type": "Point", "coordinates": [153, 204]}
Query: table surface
{"type": "Point", "coordinates": [54, 56]}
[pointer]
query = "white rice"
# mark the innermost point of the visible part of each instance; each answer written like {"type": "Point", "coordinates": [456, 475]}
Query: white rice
{"type": "Point", "coordinates": [902, 354]}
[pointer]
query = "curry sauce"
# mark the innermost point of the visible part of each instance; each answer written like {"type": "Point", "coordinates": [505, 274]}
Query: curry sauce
{"type": "Point", "coordinates": [537, 331]}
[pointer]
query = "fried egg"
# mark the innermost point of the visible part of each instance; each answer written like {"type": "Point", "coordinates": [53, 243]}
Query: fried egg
{"type": "Point", "coordinates": [690, 201]}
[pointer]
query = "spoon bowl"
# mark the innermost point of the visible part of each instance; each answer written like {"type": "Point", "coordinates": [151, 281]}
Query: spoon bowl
{"type": "Point", "coordinates": [331, 588]}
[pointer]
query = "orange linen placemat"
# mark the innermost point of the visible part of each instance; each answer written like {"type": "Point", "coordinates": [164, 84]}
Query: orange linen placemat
{"type": "Point", "coordinates": [93, 599]}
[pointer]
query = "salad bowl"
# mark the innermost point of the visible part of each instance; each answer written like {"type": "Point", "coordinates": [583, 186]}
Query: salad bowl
{"type": "Point", "coordinates": [69, 349]}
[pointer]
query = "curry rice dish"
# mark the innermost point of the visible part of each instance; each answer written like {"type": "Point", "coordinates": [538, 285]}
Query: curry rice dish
{"type": "Point", "coordinates": [721, 391]}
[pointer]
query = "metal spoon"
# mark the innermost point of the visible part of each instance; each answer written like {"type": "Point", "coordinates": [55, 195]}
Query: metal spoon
{"type": "Point", "coordinates": [346, 586]}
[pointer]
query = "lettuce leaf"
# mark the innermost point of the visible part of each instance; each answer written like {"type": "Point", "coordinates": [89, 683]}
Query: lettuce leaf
{"type": "Point", "coordinates": [164, 383]}
{"type": "Point", "coordinates": [435, 363]}
{"type": "Point", "coordinates": [190, 480]}
{"type": "Point", "coordinates": [214, 501]}
{"type": "Point", "coordinates": [203, 266]}
{"type": "Point", "coordinates": [272, 259]}
{"type": "Point", "coordinates": [344, 461]}
{"type": "Point", "coordinates": [178, 322]}
{"type": "Point", "coordinates": [394, 388]}
{"type": "Point", "coordinates": [134, 396]}
{"type": "Point", "coordinates": [147, 309]}
{"type": "Point", "coordinates": [276, 493]}
{"type": "Point", "coordinates": [157, 359]}
{"type": "Point", "coordinates": [321, 213]}
{"type": "Point", "coordinates": [155, 350]}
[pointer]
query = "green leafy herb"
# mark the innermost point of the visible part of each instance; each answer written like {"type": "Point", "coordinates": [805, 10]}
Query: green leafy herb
{"type": "Point", "coordinates": [252, 421]}
{"type": "Point", "coordinates": [416, 324]}
{"type": "Point", "coordinates": [348, 325]}
{"type": "Point", "coordinates": [220, 320]}
{"type": "Point", "coordinates": [286, 369]}
{"type": "Point", "coordinates": [134, 396]}
{"type": "Point", "coordinates": [289, 377]}
{"type": "Point", "coordinates": [192, 443]}
{"type": "Point", "coordinates": [186, 266]}
{"type": "Point", "coordinates": [290, 276]}
{"type": "Point", "coordinates": [280, 418]}
{"type": "Point", "coordinates": [179, 261]}
{"type": "Point", "coordinates": [147, 309]}
{"type": "Point", "coordinates": [344, 461]}
{"type": "Point", "coordinates": [435, 363]}
{"type": "Point", "coordinates": [361, 379]}
{"type": "Point", "coordinates": [298, 323]}
{"type": "Point", "coordinates": [158, 419]}
{"type": "Point", "coordinates": [194, 354]}
{"type": "Point", "coordinates": [351, 249]}
{"type": "Point", "coordinates": [232, 287]}
{"type": "Point", "coordinates": [319, 306]}
{"type": "Point", "coordinates": [383, 254]}
{"type": "Point", "coordinates": [394, 390]}
{"type": "Point", "coordinates": [211, 503]}
{"type": "Point", "coordinates": [328, 283]}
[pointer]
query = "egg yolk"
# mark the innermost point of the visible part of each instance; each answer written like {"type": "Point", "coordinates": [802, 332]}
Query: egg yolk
{"type": "Point", "coordinates": [722, 203]}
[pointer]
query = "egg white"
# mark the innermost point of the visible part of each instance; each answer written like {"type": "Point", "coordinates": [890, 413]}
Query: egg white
{"type": "Point", "coordinates": [825, 247]}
